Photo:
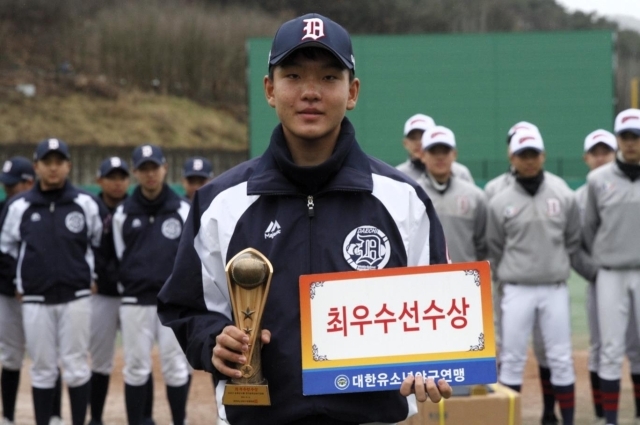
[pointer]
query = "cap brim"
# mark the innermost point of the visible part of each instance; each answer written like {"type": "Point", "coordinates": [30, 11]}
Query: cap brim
{"type": "Point", "coordinates": [9, 180]}
{"type": "Point", "coordinates": [433, 145]}
{"type": "Point", "coordinates": [599, 143]}
{"type": "Point", "coordinates": [197, 174]}
{"type": "Point", "coordinates": [49, 152]}
{"type": "Point", "coordinates": [527, 148]}
{"type": "Point", "coordinates": [111, 170]}
{"type": "Point", "coordinates": [635, 131]}
{"type": "Point", "coordinates": [282, 56]}
{"type": "Point", "coordinates": [143, 160]}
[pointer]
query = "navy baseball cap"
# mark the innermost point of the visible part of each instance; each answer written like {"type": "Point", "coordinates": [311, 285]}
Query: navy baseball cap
{"type": "Point", "coordinates": [197, 167]}
{"type": "Point", "coordinates": [111, 164]}
{"type": "Point", "coordinates": [148, 153]}
{"type": "Point", "coordinates": [16, 170]}
{"type": "Point", "coordinates": [47, 146]}
{"type": "Point", "coordinates": [312, 30]}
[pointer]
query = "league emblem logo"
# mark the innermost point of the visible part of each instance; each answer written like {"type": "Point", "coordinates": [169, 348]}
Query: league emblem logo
{"type": "Point", "coordinates": [314, 29]}
{"type": "Point", "coordinates": [74, 222]}
{"type": "Point", "coordinates": [366, 248]}
{"type": "Point", "coordinates": [171, 228]}
{"type": "Point", "coordinates": [463, 205]}
{"type": "Point", "coordinates": [553, 207]}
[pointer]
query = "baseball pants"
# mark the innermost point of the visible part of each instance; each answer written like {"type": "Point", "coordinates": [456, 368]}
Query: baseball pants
{"type": "Point", "coordinates": [521, 306]}
{"type": "Point", "coordinates": [12, 342]}
{"type": "Point", "coordinates": [105, 318]}
{"type": "Point", "coordinates": [141, 327]}
{"type": "Point", "coordinates": [58, 333]}
{"type": "Point", "coordinates": [617, 297]}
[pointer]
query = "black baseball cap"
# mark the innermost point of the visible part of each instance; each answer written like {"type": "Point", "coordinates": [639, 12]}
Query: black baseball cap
{"type": "Point", "coordinates": [47, 146]}
{"type": "Point", "coordinates": [197, 166]}
{"type": "Point", "coordinates": [16, 170]}
{"type": "Point", "coordinates": [112, 163]}
{"type": "Point", "coordinates": [312, 30]}
{"type": "Point", "coordinates": [148, 153]}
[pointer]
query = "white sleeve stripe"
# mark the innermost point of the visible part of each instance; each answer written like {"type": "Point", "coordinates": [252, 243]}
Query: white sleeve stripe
{"type": "Point", "coordinates": [10, 235]}
{"type": "Point", "coordinates": [183, 211]}
{"type": "Point", "coordinates": [217, 225]}
{"type": "Point", "coordinates": [118, 220]}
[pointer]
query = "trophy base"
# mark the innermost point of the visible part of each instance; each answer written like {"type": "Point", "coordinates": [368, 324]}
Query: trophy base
{"type": "Point", "coordinates": [246, 395]}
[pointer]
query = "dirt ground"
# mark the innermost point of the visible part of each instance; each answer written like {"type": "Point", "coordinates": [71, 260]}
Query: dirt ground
{"type": "Point", "coordinates": [201, 408]}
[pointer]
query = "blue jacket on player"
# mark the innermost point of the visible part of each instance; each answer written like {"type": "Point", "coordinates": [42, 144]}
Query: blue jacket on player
{"type": "Point", "coordinates": [304, 220]}
{"type": "Point", "coordinates": [52, 235]}
{"type": "Point", "coordinates": [146, 235]}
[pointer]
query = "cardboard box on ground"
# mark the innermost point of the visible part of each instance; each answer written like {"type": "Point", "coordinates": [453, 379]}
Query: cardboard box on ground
{"type": "Point", "coordinates": [500, 406]}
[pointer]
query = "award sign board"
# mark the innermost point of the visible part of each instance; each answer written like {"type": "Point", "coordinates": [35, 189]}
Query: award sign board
{"type": "Point", "coordinates": [368, 330]}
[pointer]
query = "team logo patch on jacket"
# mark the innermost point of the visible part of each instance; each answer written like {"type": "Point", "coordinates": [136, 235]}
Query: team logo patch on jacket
{"type": "Point", "coordinates": [366, 248]}
{"type": "Point", "coordinates": [74, 222]}
{"type": "Point", "coordinates": [553, 207]}
{"type": "Point", "coordinates": [171, 228]}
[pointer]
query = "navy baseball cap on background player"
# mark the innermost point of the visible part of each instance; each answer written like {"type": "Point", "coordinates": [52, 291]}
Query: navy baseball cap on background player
{"type": "Point", "coordinates": [628, 120]}
{"type": "Point", "coordinates": [312, 30]}
{"type": "Point", "coordinates": [47, 146]}
{"type": "Point", "coordinates": [16, 170]}
{"type": "Point", "coordinates": [148, 153]}
{"type": "Point", "coordinates": [111, 164]}
{"type": "Point", "coordinates": [197, 167]}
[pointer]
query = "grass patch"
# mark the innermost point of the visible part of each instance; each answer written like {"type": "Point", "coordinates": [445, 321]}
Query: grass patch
{"type": "Point", "coordinates": [131, 119]}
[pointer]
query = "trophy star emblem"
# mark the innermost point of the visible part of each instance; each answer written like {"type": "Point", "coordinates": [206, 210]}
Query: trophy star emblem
{"type": "Point", "coordinates": [248, 331]}
{"type": "Point", "coordinates": [248, 313]}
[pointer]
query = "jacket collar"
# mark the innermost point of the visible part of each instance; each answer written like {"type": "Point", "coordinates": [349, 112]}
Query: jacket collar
{"type": "Point", "coordinates": [167, 201]}
{"type": "Point", "coordinates": [37, 197]}
{"type": "Point", "coordinates": [347, 169]}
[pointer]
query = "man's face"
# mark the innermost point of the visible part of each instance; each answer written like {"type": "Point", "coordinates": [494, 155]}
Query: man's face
{"type": "Point", "coordinates": [598, 155]}
{"type": "Point", "coordinates": [413, 143]}
{"type": "Point", "coordinates": [438, 160]}
{"type": "Point", "coordinates": [629, 146]}
{"type": "Point", "coordinates": [14, 189]}
{"type": "Point", "coordinates": [311, 96]}
{"type": "Point", "coordinates": [150, 175]}
{"type": "Point", "coordinates": [52, 170]}
{"type": "Point", "coordinates": [528, 162]}
{"type": "Point", "coordinates": [193, 183]}
{"type": "Point", "coordinates": [115, 184]}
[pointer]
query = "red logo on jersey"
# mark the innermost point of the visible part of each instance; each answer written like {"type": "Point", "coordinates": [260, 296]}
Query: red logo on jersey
{"type": "Point", "coordinates": [630, 117]}
{"type": "Point", "coordinates": [553, 207]}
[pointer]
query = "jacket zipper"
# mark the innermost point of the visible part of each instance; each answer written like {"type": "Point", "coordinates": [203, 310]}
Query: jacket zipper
{"type": "Point", "coordinates": [311, 213]}
{"type": "Point", "coordinates": [310, 206]}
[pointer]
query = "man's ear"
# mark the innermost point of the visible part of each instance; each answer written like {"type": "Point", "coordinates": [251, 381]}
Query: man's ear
{"type": "Point", "coordinates": [354, 90]}
{"type": "Point", "coordinates": [268, 91]}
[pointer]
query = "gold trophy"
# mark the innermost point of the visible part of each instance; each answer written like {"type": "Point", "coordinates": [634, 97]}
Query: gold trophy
{"type": "Point", "coordinates": [249, 278]}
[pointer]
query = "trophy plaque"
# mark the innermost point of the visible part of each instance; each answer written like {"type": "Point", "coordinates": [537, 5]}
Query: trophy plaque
{"type": "Point", "coordinates": [248, 278]}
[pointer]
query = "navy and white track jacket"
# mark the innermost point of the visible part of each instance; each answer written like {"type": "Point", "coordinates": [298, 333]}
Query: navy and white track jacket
{"type": "Point", "coordinates": [53, 242]}
{"type": "Point", "coordinates": [301, 224]}
{"type": "Point", "coordinates": [106, 260]}
{"type": "Point", "coordinates": [146, 237]}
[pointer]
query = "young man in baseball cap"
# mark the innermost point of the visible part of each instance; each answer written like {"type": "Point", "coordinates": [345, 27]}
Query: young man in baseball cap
{"type": "Point", "coordinates": [196, 172]}
{"type": "Point", "coordinates": [17, 176]}
{"type": "Point", "coordinates": [52, 231]}
{"type": "Point", "coordinates": [297, 204]}
{"type": "Point", "coordinates": [414, 167]}
{"type": "Point", "coordinates": [611, 233]}
{"type": "Point", "coordinates": [146, 232]}
{"type": "Point", "coordinates": [461, 206]}
{"type": "Point", "coordinates": [535, 220]}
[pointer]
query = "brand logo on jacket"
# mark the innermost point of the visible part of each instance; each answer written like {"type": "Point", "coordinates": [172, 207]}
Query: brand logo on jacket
{"type": "Point", "coordinates": [171, 228]}
{"type": "Point", "coordinates": [367, 248]}
{"type": "Point", "coordinates": [74, 222]}
{"type": "Point", "coordinates": [136, 223]}
{"type": "Point", "coordinates": [273, 230]}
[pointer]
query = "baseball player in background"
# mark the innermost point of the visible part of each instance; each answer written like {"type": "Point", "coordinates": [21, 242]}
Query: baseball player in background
{"type": "Point", "coordinates": [113, 179]}
{"type": "Point", "coordinates": [461, 206]}
{"type": "Point", "coordinates": [52, 230]}
{"type": "Point", "coordinates": [531, 222]}
{"type": "Point", "coordinates": [196, 172]}
{"type": "Point", "coordinates": [491, 188]}
{"type": "Point", "coordinates": [146, 233]}
{"type": "Point", "coordinates": [414, 167]}
{"type": "Point", "coordinates": [611, 233]}
{"type": "Point", "coordinates": [599, 149]}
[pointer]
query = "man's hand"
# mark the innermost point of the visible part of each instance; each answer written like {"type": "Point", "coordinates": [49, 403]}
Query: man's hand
{"type": "Point", "coordinates": [425, 389]}
{"type": "Point", "coordinates": [232, 346]}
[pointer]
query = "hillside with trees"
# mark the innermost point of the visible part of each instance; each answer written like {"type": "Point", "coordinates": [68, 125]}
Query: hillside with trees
{"type": "Point", "coordinates": [195, 50]}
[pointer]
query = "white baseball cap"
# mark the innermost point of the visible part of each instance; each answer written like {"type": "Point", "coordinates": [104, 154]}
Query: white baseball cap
{"type": "Point", "coordinates": [628, 120]}
{"type": "Point", "coordinates": [418, 122]}
{"type": "Point", "coordinates": [600, 136]}
{"type": "Point", "coordinates": [522, 125]}
{"type": "Point", "coordinates": [438, 135]}
{"type": "Point", "coordinates": [526, 139]}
